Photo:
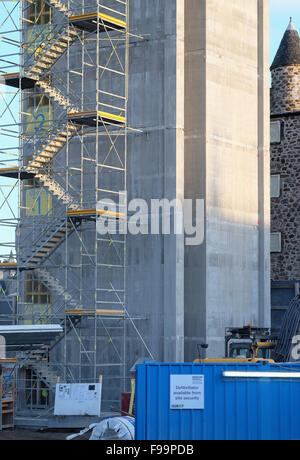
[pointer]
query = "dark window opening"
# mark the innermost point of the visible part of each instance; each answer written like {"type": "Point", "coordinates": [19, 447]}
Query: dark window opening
{"type": "Point", "coordinates": [39, 13]}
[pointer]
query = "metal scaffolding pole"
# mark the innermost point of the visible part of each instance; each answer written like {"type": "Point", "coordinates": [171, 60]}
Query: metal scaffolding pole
{"type": "Point", "coordinates": [70, 154]}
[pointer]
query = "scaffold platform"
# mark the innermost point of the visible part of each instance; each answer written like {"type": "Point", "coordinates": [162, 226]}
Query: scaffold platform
{"type": "Point", "coordinates": [96, 118]}
{"type": "Point", "coordinates": [89, 22]}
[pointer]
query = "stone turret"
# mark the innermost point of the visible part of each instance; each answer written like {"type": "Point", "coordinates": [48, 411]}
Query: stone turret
{"type": "Point", "coordinates": [285, 92]}
{"type": "Point", "coordinates": [285, 159]}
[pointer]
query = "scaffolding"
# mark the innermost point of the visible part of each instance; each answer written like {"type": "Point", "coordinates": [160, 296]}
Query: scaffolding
{"type": "Point", "coordinates": [62, 158]}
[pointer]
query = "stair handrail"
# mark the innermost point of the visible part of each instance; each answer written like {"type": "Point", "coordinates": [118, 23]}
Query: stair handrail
{"type": "Point", "coordinates": [66, 193]}
{"type": "Point", "coordinates": [66, 291]}
{"type": "Point", "coordinates": [73, 95]}
{"type": "Point", "coordinates": [45, 221]}
{"type": "Point", "coordinates": [48, 142]}
{"type": "Point", "coordinates": [39, 247]}
{"type": "Point", "coordinates": [61, 217]}
{"type": "Point", "coordinates": [38, 140]}
{"type": "Point", "coordinates": [53, 222]}
{"type": "Point", "coordinates": [41, 34]}
{"type": "Point", "coordinates": [42, 244]}
{"type": "Point", "coordinates": [45, 217]}
{"type": "Point", "coordinates": [57, 36]}
{"type": "Point", "coordinates": [65, 4]}
{"type": "Point", "coordinates": [49, 49]}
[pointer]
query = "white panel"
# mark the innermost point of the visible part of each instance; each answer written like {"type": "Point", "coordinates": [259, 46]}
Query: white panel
{"type": "Point", "coordinates": [276, 242]}
{"type": "Point", "coordinates": [275, 132]}
{"type": "Point", "coordinates": [187, 392]}
{"type": "Point", "coordinates": [31, 329]}
{"type": "Point", "coordinates": [78, 399]}
{"type": "Point", "coordinates": [275, 186]}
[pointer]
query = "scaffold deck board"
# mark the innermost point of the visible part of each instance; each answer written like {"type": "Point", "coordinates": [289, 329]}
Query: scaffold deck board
{"type": "Point", "coordinates": [8, 266]}
{"type": "Point", "coordinates": [78, 312]}
{"type": "Point", "coordinates": [89, 22]}
{"type": "Point", "coordinates": [91, 118]}
{"type": "Point", "coordinates": [15, 173]}
{"type": "Point", "coordinates": [82, 213]}
{"type": "Point", "coordinates": [17, 81]}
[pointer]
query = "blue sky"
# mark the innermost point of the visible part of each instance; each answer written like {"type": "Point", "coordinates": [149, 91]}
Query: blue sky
{"type": "Point", "coordinates": [280, 12]}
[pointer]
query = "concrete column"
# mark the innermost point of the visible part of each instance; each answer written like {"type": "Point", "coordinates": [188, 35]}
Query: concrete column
{"type": "Point", "coordinates": [174, 245]}
{"type": "Point", "coordinates": [226, 163]}
{"type": "Point", "coordinates": [264, 165]}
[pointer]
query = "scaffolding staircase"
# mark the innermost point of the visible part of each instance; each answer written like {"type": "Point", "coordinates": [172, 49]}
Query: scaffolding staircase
{"type": "Point", "coordinates": [100, 122]}
{"type": "Point", "coordinates": [51, 238]}
{"type": "Point", "coordinates": [59, 6]}
{"type": "Point", "coordinates": [53, 146]}
{"type": "Point", "coordinates": [44, 372]}
{"type": "Point", "coordinates": [35, 354]}
{"type": "Point", "coordinates": [57, 190]}
{"type": "Point", "coordinates": [40, 165]}
{"type": "Point", "coordinates": [57, 96]}
{"type": "Point", "coordinates": [53, 53]}
{"type": "Point", "coordinates": [53, 285]}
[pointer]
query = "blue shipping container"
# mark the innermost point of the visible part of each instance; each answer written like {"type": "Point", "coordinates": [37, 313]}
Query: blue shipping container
{"type": "Point", "coordinates": [235, 408]}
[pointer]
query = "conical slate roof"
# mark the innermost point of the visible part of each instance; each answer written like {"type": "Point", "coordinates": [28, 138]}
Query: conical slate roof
{"type": "Point", "coordinates": [289, 49]}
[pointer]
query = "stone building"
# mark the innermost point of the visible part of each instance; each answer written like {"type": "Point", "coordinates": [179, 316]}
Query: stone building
{"type": "Point", "coordinates": [285, 173]}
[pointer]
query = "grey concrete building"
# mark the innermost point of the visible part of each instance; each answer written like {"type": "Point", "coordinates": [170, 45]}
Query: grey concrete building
{"type": "Point", "coordinates": [177, 108]}
{"type": "Point", "coordinates": [285, 171]}
{"type": "Point", "coordinates": [211, 141]}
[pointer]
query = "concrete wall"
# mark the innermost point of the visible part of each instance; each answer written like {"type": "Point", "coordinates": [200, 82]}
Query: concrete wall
{"type": "Point", "coordinates": [155, 171]}
{"type": "Point", "coordinates": [223, 159]}
{"type": "Point", "coordinates": [227, 164]}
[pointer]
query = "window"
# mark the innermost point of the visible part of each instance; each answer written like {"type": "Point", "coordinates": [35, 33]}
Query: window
{"type": "Point", "coordinates": [240, 352]}
{"type": "Point", "coordinates": [38, 113]}
{"type": "Point", "coordinates": [275, 132]}
{"type": "Point", "coordinates": [275, 186]}
{"type": "Point", "coordinates": [36, 292]}
{"type": "Point", "coordinates": [40, 13]}
{"type": "Point", "coordinates": [37, 100]}
{"type": "Point", "coordinates": [276, 242]}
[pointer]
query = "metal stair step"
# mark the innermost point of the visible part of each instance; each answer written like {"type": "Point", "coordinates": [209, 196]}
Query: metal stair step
{"type": "Point", "coordinates": [48, 157]}
{"type": "Point", "coordinates": [47, 60]}
{"type": "Point", "coordinates": [60, 46]}
{"type": "Point", "coordinates": [57, 238]}
{"type": "Point", "coordinates": [65, 40]}
{"type": "Point", "coordinates": [36, 259]}
{"type": "Point", "coordinates": [51, 150]}
{"type": "Point", "coordinates": [52, 54]}
{"type": "Point", "coordinates": [41, 65]}
{"type": "Point", "coordinates": [49, 246]}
